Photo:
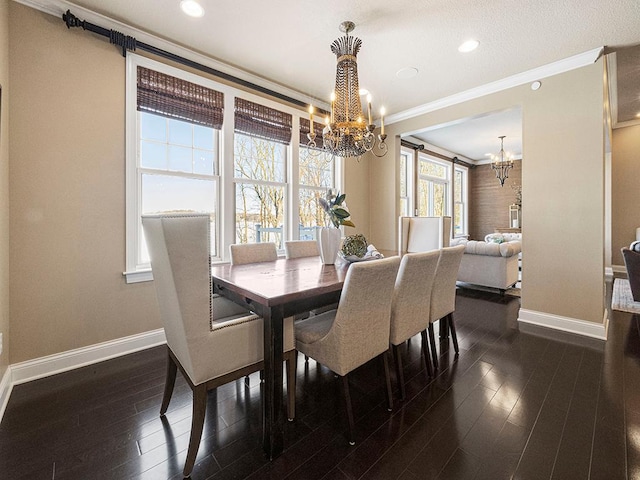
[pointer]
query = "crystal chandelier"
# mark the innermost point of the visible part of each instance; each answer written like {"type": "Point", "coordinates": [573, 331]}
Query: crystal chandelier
{"type": "Point", "coordinates": [346, 134]}
{"type": "Point", "coordinates": [502, 163]}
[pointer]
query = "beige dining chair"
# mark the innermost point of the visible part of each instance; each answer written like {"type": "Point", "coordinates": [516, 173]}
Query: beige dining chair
{"type": "Point", "coordinates": [443, 296]}
{"type": "Point", "coordinates": [411, 305]}
{"type": "Point", "coordinates": [301, 248]}
{"type": "Point", "coordinates": [242, 253]}
{"type": "Point", "coordinates": [423, 234]}
{"type": "Point", "coordinates": [358, 330]}
{"type": "Point", "coordinates": [211, 340]}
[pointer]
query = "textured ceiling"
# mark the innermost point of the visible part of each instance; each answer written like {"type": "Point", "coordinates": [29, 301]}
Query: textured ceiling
{"type": "Point", "coordinates": [288, 41]}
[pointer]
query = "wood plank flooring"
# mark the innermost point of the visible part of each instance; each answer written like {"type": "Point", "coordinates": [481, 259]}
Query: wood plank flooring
{"type": "Point", "coordinates": [514, 405]}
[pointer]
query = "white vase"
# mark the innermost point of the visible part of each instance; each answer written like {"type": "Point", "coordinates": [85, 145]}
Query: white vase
{"type": "Point", "coordinates": [329, 244]}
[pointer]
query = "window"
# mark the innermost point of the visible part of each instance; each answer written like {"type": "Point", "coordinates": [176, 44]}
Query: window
{"type": "Point", "coordinates": [195, 145]}
{"type": "Point", "coordinates": [433, 185]}
{"type": "Point", "coordinates": [460, 201]}
{"type": "Point", "coordinates": [316, 175]}
{"type": "Point", "coordinates": [406, 183]}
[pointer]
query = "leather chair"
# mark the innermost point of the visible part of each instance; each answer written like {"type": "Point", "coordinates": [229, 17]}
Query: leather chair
{"type": "Point", "coordinates": [411, 305]}
{"type": "Point", "coordinates": [211, 340]}
{"type": "Point", "coordinates": [443, 297]}
{"type": "Point", "coordinates": [358, 330]}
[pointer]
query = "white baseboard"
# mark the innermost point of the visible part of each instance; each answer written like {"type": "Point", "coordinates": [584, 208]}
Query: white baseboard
{"type": "Point", "coordinates": [5, 390]}
{"type": "Point", "coordinates": [619, 269]}
{"type": "Point", "coordinates": [61, 362]}
{"type": "Point", "coordinates": [566, 324]}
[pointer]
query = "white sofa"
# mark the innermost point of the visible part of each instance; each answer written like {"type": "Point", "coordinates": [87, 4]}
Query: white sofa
{"type": "Point", "coordinates": [490, 264]}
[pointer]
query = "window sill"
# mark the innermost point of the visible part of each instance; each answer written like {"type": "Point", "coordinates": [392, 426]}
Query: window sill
{"type": "Point", "coordinates": [138, 276]}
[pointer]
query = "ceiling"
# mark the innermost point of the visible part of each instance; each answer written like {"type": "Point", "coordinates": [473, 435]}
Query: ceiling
{"type": "Point", "coordinates": [288, 41]}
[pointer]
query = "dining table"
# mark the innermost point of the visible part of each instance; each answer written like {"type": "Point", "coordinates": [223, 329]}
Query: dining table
{"type": "Point", "coordinates": [276, 290]}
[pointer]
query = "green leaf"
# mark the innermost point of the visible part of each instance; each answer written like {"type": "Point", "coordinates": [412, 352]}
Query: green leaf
{"type": "Point", "coordinates": [348, 223]}
{"type": "Point", "coordinates": [340, 198]}
{"type": "Point", "coordinates": [341, 212]}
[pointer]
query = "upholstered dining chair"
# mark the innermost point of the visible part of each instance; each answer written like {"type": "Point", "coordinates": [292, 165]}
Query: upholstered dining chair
{"type": "Point", "coordinates": [423, 234]}
{"type": "Point", "coordinates": [443, 296]}
{"type": "Point", "coordinates": [301, 248]}
{"type": "Point", "coordinates": [242, 253]}
{"type": "Point", "coordinates": [211, 340]}
{"type": "Point", "coordinates": [411, 305]}
{"type": "Point", "coordinates": [358, 330]}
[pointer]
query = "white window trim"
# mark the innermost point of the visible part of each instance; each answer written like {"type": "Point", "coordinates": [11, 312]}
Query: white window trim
{"type": "Point", "coordinates": [226, 195]}
{"type": "Point", "coordinates": [465, 199]}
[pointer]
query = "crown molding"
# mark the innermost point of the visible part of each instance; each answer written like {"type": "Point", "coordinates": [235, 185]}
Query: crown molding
{"type": "Point", "coordinates": [58, 7]}
{"type": "Point", "coordinates": [549, 70]}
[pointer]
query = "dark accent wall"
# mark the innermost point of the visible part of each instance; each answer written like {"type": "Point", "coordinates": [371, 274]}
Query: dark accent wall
{"type": "Point", "coordinates": [488, 201]}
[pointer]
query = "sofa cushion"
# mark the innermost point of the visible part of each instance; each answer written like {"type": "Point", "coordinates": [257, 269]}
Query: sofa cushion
{"type": "Point", "coordinates": [507, 249]}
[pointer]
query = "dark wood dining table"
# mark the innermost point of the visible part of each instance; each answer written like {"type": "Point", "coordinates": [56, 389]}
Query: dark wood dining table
{"type": "Point", "coordinates": [276, 290]}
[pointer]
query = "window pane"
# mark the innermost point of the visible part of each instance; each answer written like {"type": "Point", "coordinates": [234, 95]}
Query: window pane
{"type": "Point", "coordinates": [169, 194]}
{"type": "Point", "coordinates": [457, 186]}
{"type": "Point", "coordinates": [153, 127]}
{"type": "Point", "coordinates": [203, 137]}
{"type": "Point", "coordinates": [153, 155]}
{"type": "Point", "coordinates": [259, 159]}
{"type": "Point", "coordinates": [458, 219]}
{"type": "Point", "coordinates": [403, 175]}
{"type": "Point", "coordinates": [432, 169]}
{"type": "Point", "coordinates": [180, 159]}
{"type": "Point", "coordinates": [259, 213]}
{"type": "Point", "coordinates": [203, 162]}
{"type": "Point", "coordinates": [311, 213]}
{"type": "Point", "coordinates": [404, 206]}
{"type": "Point", "coordinates": [180, 133]}
{"type": "Point", "coordinates": [316, 168]}
{"type": "Point", "coordinates": [423, 198]}
{"type": "Point", "coordinates": [439, 196]}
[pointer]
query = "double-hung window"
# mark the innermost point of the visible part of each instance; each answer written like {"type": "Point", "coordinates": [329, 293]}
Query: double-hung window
{"type": "Point", "coordinates": [460, 195]}
{"type": "Point", "coordinates": [433, 187]}
{"type": "Point", "coordinates": [406, 181]}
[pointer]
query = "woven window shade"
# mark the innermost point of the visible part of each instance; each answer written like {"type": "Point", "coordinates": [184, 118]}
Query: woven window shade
{"type": "Point", "coordinates": [260, 121]}
{"type": "Point", "coordinates": [304, 129]}
{"type": "Point", "coordinates": [175, 98]}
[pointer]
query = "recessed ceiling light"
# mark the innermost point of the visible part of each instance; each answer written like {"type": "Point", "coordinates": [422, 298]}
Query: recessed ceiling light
{"type": "Point", "coordinates": [363, 91]}
{"type": "Point", "coordinates": [192, 8]}
{"type": "Point", "coordinates": [468, 46]}
{"type": "Point", "coordinates": [536, 85]}
{"type": "Point", "coordinates": [407, 72]}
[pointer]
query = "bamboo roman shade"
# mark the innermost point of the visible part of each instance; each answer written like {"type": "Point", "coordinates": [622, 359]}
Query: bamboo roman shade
{"type": "Point", "coordinates": [260, 121]}
{"type": "Point", "coordinates": [175, 98]}
{"type": "Point", "coordinates": [304, 129]}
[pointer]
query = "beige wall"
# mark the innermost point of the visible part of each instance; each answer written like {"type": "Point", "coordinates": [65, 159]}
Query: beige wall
{"type": "Point", "coordinates": [67, 191]}
{"type": "Point", "coordinates": [625, 189]}
{"type": "Point", "coordinates": [563, 228]}
{"type": "Point", "coordinates": [4, 184]}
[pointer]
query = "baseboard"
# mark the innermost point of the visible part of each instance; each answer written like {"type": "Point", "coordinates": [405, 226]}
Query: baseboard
{"type": "Point", "coordinates": [566, 324]}
{"type": "Point", "coordinates": [61, 362]}
{"type": "Point", "coordinates": [5, 390]}
{"type": "Point", "coordinates": [619, 269]}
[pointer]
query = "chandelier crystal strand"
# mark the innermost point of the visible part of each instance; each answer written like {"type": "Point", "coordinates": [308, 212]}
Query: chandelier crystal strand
{"type": "Point", "coordinates": [347, 133]}
{"type": "Point", "coordinates": [500, 165]}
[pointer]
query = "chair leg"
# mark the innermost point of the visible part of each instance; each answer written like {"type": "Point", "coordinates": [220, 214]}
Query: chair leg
{"type": "Point", "coordinates": [347, 400]}
{"type": "Point", "coordinates": [169, 383]}
{"type": "Point", "coordinates": [432, 341]}
{"type": "Point", "coordinates": [291, 384]}
{"type": "Point", "coordinates": [425, 352]}
{"type": "Point", "coordinates": [306, 359]}
{"type": "Point", "coordinates": [385, 361]}
{"type": "Point", "coordinates": [452, 328]}
{"type": "Point", "coordinates": [443, 328]}
{"type": "Point", "coordinates": [197, 423]}
{"type": "Point", "coordinates": [399, 372]}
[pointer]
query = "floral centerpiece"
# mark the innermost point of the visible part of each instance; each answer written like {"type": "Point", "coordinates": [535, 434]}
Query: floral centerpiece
{"type": "Point", "coordinates": [335, 209]}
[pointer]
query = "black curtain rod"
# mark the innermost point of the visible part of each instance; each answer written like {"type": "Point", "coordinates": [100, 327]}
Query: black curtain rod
{"type": "Point", "coordinates": [125, 42]}
{"type": "Point", "coordinates": [421, 147]}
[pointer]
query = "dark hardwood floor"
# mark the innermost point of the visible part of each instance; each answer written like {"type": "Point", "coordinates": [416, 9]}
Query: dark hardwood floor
{"type": "Point", "coordinates": [513, 405]}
